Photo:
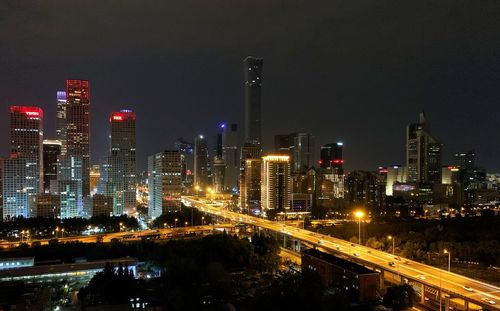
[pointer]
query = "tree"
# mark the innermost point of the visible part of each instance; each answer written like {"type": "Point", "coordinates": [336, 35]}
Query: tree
{"type": "Point", "coordinates": [399, 297]}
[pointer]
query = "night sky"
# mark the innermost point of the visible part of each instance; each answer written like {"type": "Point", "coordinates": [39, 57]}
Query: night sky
{"type": "Point", "coordinates": [357, 71]}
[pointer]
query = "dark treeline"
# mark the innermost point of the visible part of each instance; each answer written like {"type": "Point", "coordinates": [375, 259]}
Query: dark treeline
{"type": "Point", "coordinates": [191, 216]}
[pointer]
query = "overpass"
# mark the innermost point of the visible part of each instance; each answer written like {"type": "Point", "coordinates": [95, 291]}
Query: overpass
{"type": "Point", "coordinates": [430, 281]}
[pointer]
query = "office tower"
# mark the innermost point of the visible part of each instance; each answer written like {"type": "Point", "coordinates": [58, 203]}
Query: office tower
{"type": "Point", "coordinates": [95, 177]}
{"type": "Point", "coordinates": [61, 120]}
{"type": "Point", "coordinates": [275, 184]}
{"type": "Point", "coordinates": [123, 159]}
{"type": "Point", "coordinates": [78, 127]}
{"type": "Point", "coordinates": [164, 182]}
{"type": "Point", "coordinates": [51, 150]}
{"type": "Point", "coordinates": [283, 144]}
{"type": "Point", "coordinates": [303, 152]}
{"type": "Point", "coordinates": [331, 159]}
{"type": "Point", "coordinates": [70, 185]}
{"type": "Point", "coordinates": [395, 174]}
{"type": "Point", "coordinates": [23, 171]}
{"type": "Point", "coordinates": [450, 175]}
{"type": "Point", "coordinates": [102, 205]}
{"type": "Point", "coordinates": [201, 162]}
{"type": "Point", "coordinates": [250, 186]}
{"type": "Point", "coordinates": [26, 137]}
{"type": "Point", "coordinates": [48, 205]}
{"type": "Point", "coordinates": [219, 168]}
{"type": "Point", "coordinates": [186, 149]}
{"type": "Point", "coordinates": [423, 153]}
{"type": "Point", "coordinates": [361, 188]}
{"type": "Point", "coordinates": [253, 85]}
{"type": "Point", "coordinates": [230, 156]}
{"type": "Point", "coordinates": [250, 151]}
{"type": "Point", "coordinates": [466, 160]}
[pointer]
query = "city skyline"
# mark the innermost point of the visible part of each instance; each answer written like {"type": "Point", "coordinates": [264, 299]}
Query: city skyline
{"type": "Point", "coordinates": [338, 91]}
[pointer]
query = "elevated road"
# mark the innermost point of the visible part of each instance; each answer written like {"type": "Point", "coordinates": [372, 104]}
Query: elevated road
{"type": "Point", "coordinates": [455, 285]}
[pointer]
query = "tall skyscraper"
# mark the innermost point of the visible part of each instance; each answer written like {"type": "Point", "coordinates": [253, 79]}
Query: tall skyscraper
{"type": "Point", "coordinates": [283, 144]}
{"type": "Point", "coordinates": [123, 158]}
{"type": "Point", "coordinates": [218, 174]}
{"type": "Point", "coordinates": [164, 182]}
{"type": "Point", "coordinates": [70, 185]}
{"type": "Point", "coordinates": [230, 155]}
{"type": "Point", "coordinates": [201, 162]}
{"type": "Point", "coordinates": [423, 153]}
{"type": "Point", "coordinates": [78, 127]}
{"type": "Point", "coordinates": [331, 159]}
{"type": "Point", "coordinates": [61, 120]}
{"type": "Point", "coordinates": [395, 174]}
{"type": "Point", "coordinates": [276, 186]}
{"type": "Point", "coordinates": [250, 185]}
{"type": "Point", "coordinates": [304, 150]}
{"type": "Point", "coordinates": [51, 150]}
{"type": "Point", "coordinates": [23, 172]}
{"type": "Point", "coordinates": [253, 85]}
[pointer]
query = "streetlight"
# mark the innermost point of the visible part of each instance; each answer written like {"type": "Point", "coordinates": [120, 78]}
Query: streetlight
{"type": "Point", "coordinates": [197, 188]}
{"type": "Point", "coordinates": [121, 224]}
{"type": "Point", "coordinates": [62, 233]}
{"type": "Point", "coordinates": [390, 237]}
{"type": "Point", "coordinates": [202, 219]}
{"type": "Point", "coordinates": [185, 224]}
{"type": "Point", "coordinates": [175, 222]}
{"type": "Point", "coordinates": [57, 231]}
{"type": "Point", "coordinates": [449, 259]}
{"type": "Point", "coordinates": [164, 225]}
{"type": "Point", "coordinates": [359, 214]}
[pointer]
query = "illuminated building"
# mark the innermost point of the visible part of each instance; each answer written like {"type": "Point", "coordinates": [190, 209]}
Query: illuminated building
{"type": "Point", "coordinates": [253, 85]}
{"type": "Point", "coordinates": [123, 158]}
{"type": "Point", "coordinates": [250, 151]}
{"type": "Point", "coordinates": [331, 159]}
{"type": "Point", "coordinates": [48, 205]}
{"type": "Point", "coordinates": [51, 150]}
{"type": "Point", "coordinates": [362, 188]}
{"type": "Point", "coordinates": [250, 185]}
{"type": "Point", "coordinates": [201, 162]}
{"type": "Point", "coordinates": [303, 152]}
{"type": "Point", "coordinates": [230, 156]}
{"type": "Point", "coordinates": [95, 176]}
{"type": "Point", "coordinates": [78, 127]}
{"type": "Point", "coordinates": [164, 182]}
{"type": "Point", "coordinates": [70, 185]}
{"type": "Point", "coordinates": [61, 120]}
{"type": "Point", "coordinates": [1, 185]}
{"type": "Point", "coordinates": [275, 184]}
{"type": "Point", "coordinates": [283, 143]}
{"type": "Point", "coordinates": [186, 149]}
{"type": "Point", "coordinates": [395, 174]}
{"type": "Point", "coordinates": [23, 172]}
{"type": "Point", "coordinates": [423, 153]}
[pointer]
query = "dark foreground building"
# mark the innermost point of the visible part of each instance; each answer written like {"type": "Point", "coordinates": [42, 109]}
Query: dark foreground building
{"type": "Point", "coordinates": [360, 284]}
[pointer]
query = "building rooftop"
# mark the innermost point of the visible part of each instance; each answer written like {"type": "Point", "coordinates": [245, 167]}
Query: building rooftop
{"type": "Point", "coordinates": [337, 261]}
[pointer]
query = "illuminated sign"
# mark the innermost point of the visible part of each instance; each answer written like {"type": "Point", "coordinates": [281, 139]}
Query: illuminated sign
{"type": "Point", "coordinates": [30, 112]}
{"type": "Point", "coordinates": [118, 118]}
{"type": "Point", "coordinates": [123, 115]}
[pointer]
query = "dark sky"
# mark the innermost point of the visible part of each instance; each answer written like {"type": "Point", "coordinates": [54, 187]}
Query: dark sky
{"type": "Point", "coordinates": [358, 70]}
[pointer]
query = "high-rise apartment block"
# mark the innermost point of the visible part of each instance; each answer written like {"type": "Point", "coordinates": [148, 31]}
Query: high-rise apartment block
{"type": "Point", "coordinates": [275, 184]}
{"type": "Point", "coordinates": [61, 120]}
{"type": "Point", "coordinates": [250, 185]}
{"type": "Point", "coordinates": [230, 155]}
{"type": "Point", "coordinates": [304, 149]}
{"type": "Point", "coordinates": [331, 159]}
{"type": "Point", "coordinates": [164, 182]}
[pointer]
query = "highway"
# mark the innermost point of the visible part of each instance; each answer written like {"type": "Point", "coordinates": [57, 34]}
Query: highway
{"type": "Point", "coordinates": [477, 292]}
{"type": "Point", "coordinates": [124, 236]}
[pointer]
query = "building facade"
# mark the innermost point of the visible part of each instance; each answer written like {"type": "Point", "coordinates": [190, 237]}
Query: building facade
{"type": "Point", "coordinates": [201, 162]}
{"type": "Point", "coordinates": [250, 185]}
{"type": "Point", "coordinates": [51, 151]}
{"type": "Point", "coordinates": [253, 86]}
{"type": "Point", "coordinates": [275, 184]}
{"type": "Point", "coordinates": [230, 155]}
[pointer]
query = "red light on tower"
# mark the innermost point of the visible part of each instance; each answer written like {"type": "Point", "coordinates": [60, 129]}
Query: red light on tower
{"type": "Point", "coordinates": [30, 112]}
{"type": "Point", "coordinates": [123, 115]}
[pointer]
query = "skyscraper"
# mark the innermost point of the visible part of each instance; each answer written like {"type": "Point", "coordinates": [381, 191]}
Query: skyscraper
{"type": "Point", "coordinates": [123, 159]}
{"type": "Point", "coordinates": [164, 182]}
{"type": "Point", "coordinates": [250, 185]}
{"type": "Point", "coordinates": [78, 127]}
{"type": "Point", "coordinates": [51, 150]}
{"type": "Point", "coordinates": [423, 153]}
{"type": "Point", "coordinates": [253, 85]}
{"type": "Point", "coordinates": [230, 155]}
{"type": "Point", "coordinates": [70, 185]}
{"type": "Point", "coordinates": [331, 159]}
{"type": "Point", "coordinates": [23, 172]}
{"type": "Point", "coordinates": [283, 144]}
{"type": "Point", "coordinates": [201, 161]}
{"type": "Point", "coordinates": [275, 184]}
{"type": "Point", "coordinates": [303, 152]}
{"type": "Point", "coordinates": [61, 120]}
